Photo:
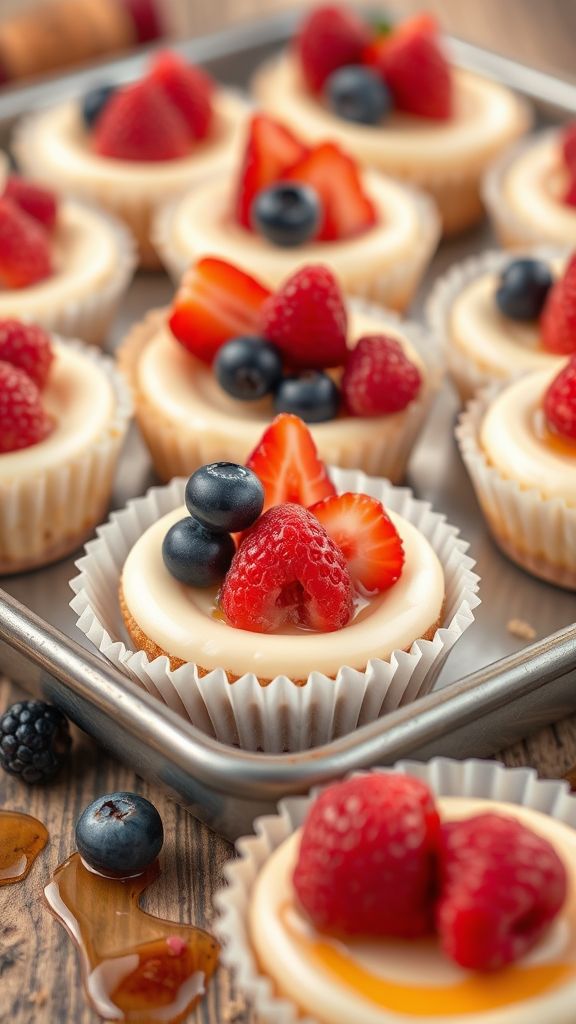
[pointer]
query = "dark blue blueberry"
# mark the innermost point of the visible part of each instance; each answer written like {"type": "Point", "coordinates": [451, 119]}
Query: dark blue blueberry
{"type": "Point", "coordinates": [196, 556]}
{"type": "Point", "coordinates": [286, 213]}
{"type": "Point", "coordinates": [34, 740]}
{"type": "Point", "coordinates": [523, 288]}
{"type": "Point", "coordinates": [224, 496]}
{"type": "Point", "coordinates": [119, 834]}
{"type": "Point", "coordinates": [94, 102]}
{"type": "Point", "coordinates": [312, 396]}
{"type": "Point", "coordinates": [248, 368]}
{"type": "Point", "coordinates": [358, 94]}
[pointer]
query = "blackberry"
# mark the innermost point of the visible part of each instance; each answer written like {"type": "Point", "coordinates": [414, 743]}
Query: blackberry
{"type": "Point", "coordinates": [34, 740]}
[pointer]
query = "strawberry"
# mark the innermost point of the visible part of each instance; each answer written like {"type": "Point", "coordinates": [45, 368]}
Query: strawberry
{"type": "Point", "coordinates": [560, 402]}
{"type": "Point", "coordinates": [270, 150]}
{"type": "Point", "coordinates": [379, 378]}
{"type": "Point", "coordinates": [366, 536]}
{"type": "Point", "coordinates": [346, 209]}
{"type": "Point", "coordinates": [330, 37]}
{"type": "Point", "coordinates": [501, 887]}
{"type": "Point", "coordinates": [306, 319]}
{"type": "Point", "coordinates": [569, 196]}
{"type": "Point", "coordinates": [366, 860]}
{"type": "Point", "coordinates": [215, 302]}
{"type": "Point", "coordinates": [414, 68]}
{"type": "Point", "coordinates": [287, 572]}
{"type": "Point", "coordinates": [558, 319]}
{"type": "Point", "coordinates": [141, 123]}
{"type": "Point", "coordinates": [28, 347]}
{"type": "Point", "coordinates": [286, 461]}
{"type": "Point", "coordinates": [24, 248]}
{"type": "Point", "coordinates": [568, 146]}
{"type": "Point", "coordinates": [23, 421]}
{"type": "Point", "coordinates": [188, 88]}
{"type": "Point", "coordinates": [39, 203]}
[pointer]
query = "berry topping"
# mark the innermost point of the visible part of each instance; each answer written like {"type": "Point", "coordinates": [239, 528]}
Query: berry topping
{"type": "Point", "coordinates": [24, 247]}
{"type": "Point", "coordinates": [119, 835]}
{"type": "Point", "coordinates": [140, 123]}
{"type": "Point", "coordinates": [501, 886]}
{"type": "Point", "coordinates": [414, 68]}
{"type": "Point", "coordinates": [270, 151]}
{"type": "Point", "coordinates": [34, 740]}
{"type": "Point", "coordinates": [248, 368]}
{"type": "Point", "coordinates": [36, 201]}
{"type": "Point", "coordinates": [558, 320]}
{"type": "Point", "coordinates": [195, 555]}
{"type": "Point", "coordinates": [379, 377]}
{"type": "Point", "coordinates": [560, 402]}
{"type": "Point", "coordinates": [358, 94]}
{"type": "Point", "coordinates": [287, 463]}
{"type": "Point", "coordinates": [346, 209]}
{"type": "Point", "coordinates": [23, 421]}
{"type": "Point", "coordinates": [287, 213]}
{"type": "Point", "coordinates": [188, 88]}
{"type": "Point", "coordinates": [367, 538]}
{"type": "Point", "coordinates": [313, 396]}
{"type": "Point", "coordinates": [522, 289]}
{"type": "Point", "coordinates": [329, 38]}
{"type": "Point", "coordinates": [287, 572]}
{"type": "Point", "coordinates": [366, 861]}
{"type": "Point", "coordinates": [568, 145]}
{"type": "Point", "coordinates": [306, 319]}
{"type": "Point", "coordinates": [215, 302]}
{"type": "Point", "coordinates": [94, 102]}
{"type": "Point", "coordinates": [224, 496]}
{"type": "Point", "coordinates": [28, 347]}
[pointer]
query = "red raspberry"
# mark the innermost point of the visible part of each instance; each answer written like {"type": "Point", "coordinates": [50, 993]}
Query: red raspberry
{"type": "Point", "coordinates": [366, 861]}
{"type": "Point", "coordinates": [560, 402]}
{"type": "Point", "coordinates": [24, 248]}
{"type": "Point", "coordinates": [287, 571]}
{"type": "Point", "coordinates": [330, 37]}
{"type": "Point", "coordinates": [28, 347]}
{"type": "Point", "coordinates": [188, 88]}
{"type": "Point", "coordinates": [37, 202]}
{"type": "Point", "coordinates": [140, 123]}
{"type": "Point", "coordinates": [379, 378]}
{"type": "Point", "coordinates": [558, 319]}
{"type": "Point", "coordinates": [306, 319]}
{"type": "Point", "coordinates": [23, 421]}
{"type": "Point", "coordinates": [501, 886]}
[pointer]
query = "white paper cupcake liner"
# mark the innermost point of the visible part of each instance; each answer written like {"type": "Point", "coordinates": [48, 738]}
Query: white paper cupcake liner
{"type": "Point", "coordinates": [280, 716]}
{"type": "Point", "coordinates": [483, 780]}
{"type": "Point", "coordinates": [46, 516]}
{"type": "Point", "coordinates": [536, 532]}
{"type": "Point", "coordinates": [469, 376]}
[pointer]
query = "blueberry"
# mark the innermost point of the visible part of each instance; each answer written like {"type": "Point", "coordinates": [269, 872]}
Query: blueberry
{"type": "Point", "coordinates": [248, 368]}
{"type": "Point", "coordinates": [119, 834]}
{"type": "Point", "coordinates": [196, 556]}
{"type": "Point", "coordinates": [94, 102]}
{"type": "Point", "coordinates": [523, 288]}
{"type": "Point", "coordinates": [287, 213]}
{"type": "Point", "coordinates": [358, 94]}
{"type": "Point", "coordinates": [224, 496]}
{"type": "Point", "coordinates": [312, 396]}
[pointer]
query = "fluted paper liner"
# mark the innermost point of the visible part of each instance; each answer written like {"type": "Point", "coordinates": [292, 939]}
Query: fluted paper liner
{"type": "Point", "coordinates": [49, 514]}
{"type": "Point", "coordinates": [536, 532]}
{"type": "Point", "coordinates": [280, 716]}
{"type": "Point", "coordinates": [484, 780]}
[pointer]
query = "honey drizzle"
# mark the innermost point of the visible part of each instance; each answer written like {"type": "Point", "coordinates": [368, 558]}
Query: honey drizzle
{"type": "Point", "coordinates": [22, 838]}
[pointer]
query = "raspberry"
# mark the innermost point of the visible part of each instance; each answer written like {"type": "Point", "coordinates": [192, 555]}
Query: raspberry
{"type": "Point", "coordinates": [23, 421]}
{"type": "Point", "coordinates": [560, 402]}
{"type": "Point", "coordinates": [366, 861]}
{"type": "Point", "coordinates": [330, 37]}
{"type": "Point", "coordinates": [287, 571]}
{"type": "Point", "coordinates": [34, 740]}
{"type": "Point", "coordinates": [37, 202]}
{"type": "Point", "coordinates": [24, 247]}
{"type": "Point", "coordinates": [501, 887]}
{"type": "Point", "coordinates": [306, 319]}
{"type": "Point", "coordinates": [558, 320]}
{"type": "Point", "coordinates": [188, 88]}
{"type": "Point", "coordinates": [28, 347]}
{"type": "Point", "coordinates": [379, 378]}
{"type": "Point", "coordinates": [140, 123]}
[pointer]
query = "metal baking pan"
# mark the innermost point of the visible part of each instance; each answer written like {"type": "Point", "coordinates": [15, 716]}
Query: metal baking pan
{"type": "Point", "coordinates": [513, 689]}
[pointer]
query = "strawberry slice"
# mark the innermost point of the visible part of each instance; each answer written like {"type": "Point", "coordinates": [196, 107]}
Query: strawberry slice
{"type": "Point", "coordinates": [347, 210]}
{"type": "Point", "coordinates": [271, 149]}
{"type": "Point", "coordinates": [24, 248]}
{"type": "Point", "coordinates": [287, 463]}
{"type": "Point", "coordinates": [414, 68]}
{"type": "Point", "coordinates": [330, 37]}
{"type": "Point", "coordinates": [140, 123]}
{"type": "Point", "coordinates": [188, 88]}
{"type": "Point", "coordinates": [36, 201]}
{"type": "Point", "coordinates": [558, 318]}
{"type": "Point", "coordinates": [367, 537]}
{"type": "Point", "coordinates": [215, 302]}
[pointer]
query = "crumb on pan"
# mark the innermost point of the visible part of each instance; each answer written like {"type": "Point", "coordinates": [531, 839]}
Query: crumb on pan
{"type": "Point", "coordinates": [523, 630]}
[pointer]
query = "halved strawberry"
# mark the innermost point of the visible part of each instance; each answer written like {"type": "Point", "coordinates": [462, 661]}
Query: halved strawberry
{"type": "Point", "coordinates": [347, 210]}
{"type": "Point", "coordinates": [36, 201]}
{"type": "Point", "coordinates": [286, 461]}
{"type": "Point", "coordinates": [25, 256]}
{"type": "Point", "coordinates": [367, 537]}
{"type": "Point", "coordinates": [271, 149]}
{"type": "Point", "coordinates": [330, 37]}
{"type": "Point", "coordinates": [558, 318]}
{"type": "Point", "coordinates": [414, 68]}
{"type": "Point", "coordinates": [188, 88]}
{"type": "Point", "coordinates": [215, 302]}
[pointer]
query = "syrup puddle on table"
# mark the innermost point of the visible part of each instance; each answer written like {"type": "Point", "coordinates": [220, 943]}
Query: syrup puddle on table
{"type": "Point", "coordinates": [22, 838]}
{"type": "Point", "coordinates": [135, 967]}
